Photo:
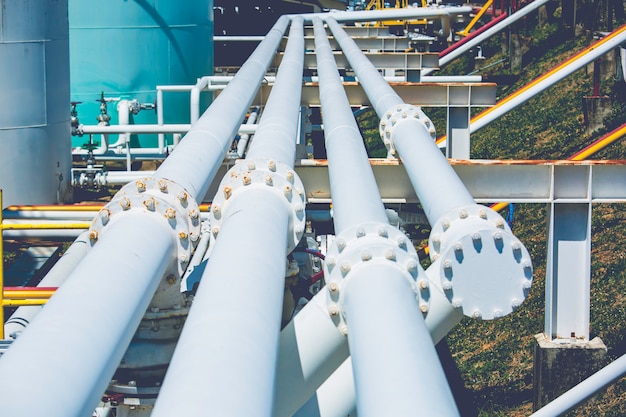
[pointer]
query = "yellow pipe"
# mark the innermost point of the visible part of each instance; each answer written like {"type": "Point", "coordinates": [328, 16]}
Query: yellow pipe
{"type": "Point", "coordinates": [543, 77]}
{"type": "Point", "coordinates": [599, 145]}
{"type": "Point", "coordinates": [480, 14]}
{"type": "Point", "coordinates": [1, 273]}
{"type": "Point", "coordinates": [19, 303]}
{"type": "Point", "coordinates": [24, 294]}
{"type": "Point", "coordinates": [45, 226]}
{"type": "Point", "coordinates": [58, 207]}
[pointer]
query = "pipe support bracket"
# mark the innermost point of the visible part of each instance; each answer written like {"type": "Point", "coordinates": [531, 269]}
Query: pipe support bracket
{"type": "Point", "coordinates": [159, 197]}
{"type": "Point", "coordinates": [269, 175]}
{"type": "Point", "coordinates": [369, 243]}
{"type": "Point", "coordinates": [396, 115]}
{"type": "Point", "coordinates": [485, 270]}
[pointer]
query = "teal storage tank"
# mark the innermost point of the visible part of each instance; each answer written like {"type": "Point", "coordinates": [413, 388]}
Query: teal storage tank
{"type": "Point", "coordinates": [125, 48]}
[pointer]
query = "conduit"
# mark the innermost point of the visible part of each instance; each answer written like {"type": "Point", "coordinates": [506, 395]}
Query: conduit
{"type": "Point", "coordinates": [233, 327]}
{"type": "Point", "coordinates": [382, 314]}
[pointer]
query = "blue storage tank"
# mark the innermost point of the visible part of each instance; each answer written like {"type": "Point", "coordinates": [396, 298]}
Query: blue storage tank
{"type": "Point", "coordinates": [125, 48]}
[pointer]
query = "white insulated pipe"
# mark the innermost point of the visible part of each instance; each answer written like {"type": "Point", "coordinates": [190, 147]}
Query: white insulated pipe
{"type": "Point", "coordinates": [524, 11]}
{"type": "Point", "coordinates": [312, 349]}
{"type": "Point", "coordinates": [584, 390]}
{"type": "Point", "coordinates": [100, 296]}
{"type": "Point", "coordinates": [396, 368]}
{"type": "Point", "coordinates": [195, 161]}
{"type": "Point", "coordinates": [242, 143]}
{"type": "Point", "coordinates": [547, 80]}
{"type": "Point", "coordinates": [386, 332]}
{"type": "Point", "coordinates": [439, 193]}
{"type": "Point", "coordinates": [228, 349]}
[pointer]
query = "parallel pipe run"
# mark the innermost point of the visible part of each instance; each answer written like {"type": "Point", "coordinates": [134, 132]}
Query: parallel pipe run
{"type": "Point", "coordinates": [486, 34]}
{"type": "Point", "coordinates": [234, 324]}
{"type": "Point", "coordinates": [438, 193]}
{"type": "Point", "coordinates": [348, 163]}
{"type": "Point", "coordinates": [548, 79]}
{"type": "Point", "coordinates": [65, 334]}
{"type": "Point", "coordinates": [275, 136]}
{"type": "Point", "coordinates": [194, 162]}
{"type": "Point", "coordinates": [374, 277]}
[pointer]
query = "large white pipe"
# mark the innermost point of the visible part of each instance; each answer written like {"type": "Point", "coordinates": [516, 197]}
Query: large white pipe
{"type": "Point", "coordinates": [195, 161]}
{"type": "Point", "coordinates": [386, 332]}
{"type": "Point", "coordinates": [390, 14]}
{"type": "Point", "coordinates": [229, 346]}
{"type": "Point", "coordinates": [64, 343]}
{"type": "Point", "coordinates": [529, 8]}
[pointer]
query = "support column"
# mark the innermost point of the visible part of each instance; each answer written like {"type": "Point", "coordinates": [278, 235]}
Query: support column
{"type": "Point", "coordinates": [564, 355]}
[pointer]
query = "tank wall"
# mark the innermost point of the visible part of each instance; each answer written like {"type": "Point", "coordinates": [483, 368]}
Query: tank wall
{"type": "Point", "coordinates": [126, 48]}
{"type": "Point", "coordinates": [35, 158]}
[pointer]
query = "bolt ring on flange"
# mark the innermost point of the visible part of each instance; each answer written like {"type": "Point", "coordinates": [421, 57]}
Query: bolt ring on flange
{"type": "Point", "coordinates": [161, 197]}
{"type": "Point", "coordinates": [371, 243]}
{"type": "Point", "coordinates": [266, 174]}
{"type": "Point", "coordinates": [484, 269]}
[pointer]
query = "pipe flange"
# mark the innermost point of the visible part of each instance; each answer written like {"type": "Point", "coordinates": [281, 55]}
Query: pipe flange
{"type": "Point", "coordinates": [484, 269]}
{"type": "Point", "coordinates": [267, 174]}
{"type": "Point", "coordinates": [161, 197]}
{"type": "Point", "coordinates": [363, 245]}
{"type": "Point", "coordinates": [397, 114]}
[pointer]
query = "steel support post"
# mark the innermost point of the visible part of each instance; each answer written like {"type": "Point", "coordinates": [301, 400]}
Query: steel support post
{"type": "Point", "coordinates": [458, 133]}
{"type": "Point", "coordinates": [48, 362]}
{"type": "Point", "coordinates": [372, 265]}
{"type": "Point", "coordinates": [568, 273]}
{"type": "Point", "coordinates": [233, 327]}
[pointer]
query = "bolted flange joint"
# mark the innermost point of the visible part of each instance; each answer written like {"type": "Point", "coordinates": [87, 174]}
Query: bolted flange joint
{"type": "Point", "coordinates": [399, 114]}
{"type": "Point", "coordinates": [269, 175]}
{"type": "Point", "coordinates": [363, 245]}
{"type": "Point", "coordinates": [159, 197]}
{"type": "Point", "coordinates": [484, 269]}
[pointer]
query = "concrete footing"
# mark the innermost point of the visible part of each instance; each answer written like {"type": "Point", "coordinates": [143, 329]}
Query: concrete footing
{"type": "Point", "coordinates": [561, 364]}
{"type": "Point", "coordinates": [596, 110]}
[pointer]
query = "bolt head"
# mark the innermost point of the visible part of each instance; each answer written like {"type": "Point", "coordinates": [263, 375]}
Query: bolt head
{"type": "Point", "coordinates": [170, 213]}
{"type": "Point", "coordinates": [345, 267]}
{"type": "Point", "coordinates": [482, 214]}
{"type": "Point", "coordinates": [141, 186]}
{"type": "Point", "coordinates": [424, 308]}
{"type": "Point", "coordinates": [382, 231]}
{"type": "Point", "coordinates": [289, 175]}
{"type": "Point", "coordinates": [477, 314]}
{"type": "Point", "coordinates": [93, 235]}
{"type": "Point", "coordinates": [333, 287]}
{"type": "Point", "coordinates": [251, 165]}
{"type": "Point", "coordinates": [163, 186]}
{"type": "Point", "coordinates": [423, 284]}
{"type": "Point", "coordinates": [463, 214]}
{"type": "Point", "coordinates": [271, 165]}
{"type": "Point", "coordinates": [447, 286]}
{"type": "Point", "coordinates": [268, 179]}
{"type": "Point", "coordinates": [227, 192]}
{"type": "Point", "coordinates": [360, 232]}
{"type": "Point", "coordinates": [411, 265]}
{"type": "Point", "coordinates": [390, 254]}
{"type": "Point", "coordinates": [366, 255]}
{"type": "Point", "coordinates": [333, 310]}
{"type": "Point", "coordinates": [182, 196]}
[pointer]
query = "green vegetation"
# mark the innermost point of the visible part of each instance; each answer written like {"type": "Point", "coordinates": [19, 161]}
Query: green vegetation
{"type": "Point", "coordinates": [495, 358]}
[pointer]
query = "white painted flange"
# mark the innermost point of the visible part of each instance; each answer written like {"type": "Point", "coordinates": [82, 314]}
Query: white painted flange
{"type": "Point", "coordinates": [363, 245]}
{"type": "Point", "coordinates": [269, 175]}
{"type": "Point", "coordinates": [484, 269]}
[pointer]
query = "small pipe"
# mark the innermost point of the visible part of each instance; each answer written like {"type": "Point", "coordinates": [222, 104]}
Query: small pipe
{"type": "Point", "coordinates": [584, 390]}
{"type": "Point", "coordinates": [160, 120]}
{"type": "Point", "coordinates": [243, 138]}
